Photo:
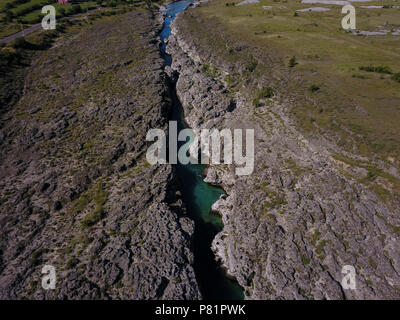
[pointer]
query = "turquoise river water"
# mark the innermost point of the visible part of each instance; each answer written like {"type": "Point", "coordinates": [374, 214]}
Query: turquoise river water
{"type": "Point", "coordinates": [199, 197]}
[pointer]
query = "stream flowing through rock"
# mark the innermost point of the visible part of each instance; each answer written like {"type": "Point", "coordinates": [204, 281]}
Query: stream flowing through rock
{"type": "Point", "coordinates": [199, 197]}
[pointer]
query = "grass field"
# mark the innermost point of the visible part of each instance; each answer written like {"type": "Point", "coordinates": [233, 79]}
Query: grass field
{"type": "Point", "coordinates": [361, 108]}
{"type": "Point", "coordinates": [30, 13]}
{"type": "Point", "coordinates": [35, 16]}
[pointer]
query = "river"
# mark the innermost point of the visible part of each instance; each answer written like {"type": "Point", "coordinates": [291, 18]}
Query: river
{"type": "Point", "coordinates": [199, 197]}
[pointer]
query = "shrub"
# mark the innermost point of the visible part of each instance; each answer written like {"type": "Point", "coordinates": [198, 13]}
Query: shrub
{"type": "Point", "coordinates": [47, 40]}
{"type": "Point", "coordinates": [99, 198]}
{"type": "Point", "coordinates": [61, 12]}
{"type": "Point", "coordinates": [21, 43]}
{"type": "Point", "coordinates": [36, 257]}
{"type": "Point", "coordinates": [378, 69]}
{"type": "Point", "coordinates": [72, 262]}
{"type": "Point", "coordinates": [76, 8]}
{"type": "Point", "coordinates": [256, 102]}
{"type": "Point", "coordinates": [266, 92]}
{"type": "Point", "coordinates": [396, 76]}
{"type": "Point", "coordinates": [371, 175]}
{"type": "Point", "coordinates": [251, 66]}
{"type": "Point", "coordinates": [305, 260]}
{"type": "Point", "coordinates": [292, 62]}
{"type": "Point", "coordinates": [93, 217]}
{"type": "Point", "coordinates": [314, 88]}
{"type": "Point", "coordinates": [8, 57]}
{"type": "Point", "coordinates": [360, 76]}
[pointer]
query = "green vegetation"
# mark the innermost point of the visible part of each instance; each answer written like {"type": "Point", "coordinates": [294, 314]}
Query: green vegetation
{"type": "Point", "coordinates": [396, 77]}
{"type": "Point", "coordinates": [320, 248]}
{"type": "Point", "coordinates": [15, 14]}
{"type": "Point", "coordinates": [314, 88]}
{"type": "Point", "coordinates": [294, 167]}
{"type": "Point", "coordinates": [72, 262]}
{"type": "Point", "coordinates": [15, 56]}
{"type": "Point", "coordinates": [210, 70]}
{"type": "Point", "coordinates": [9, 57]}
{"type": "Point", "coordinates": [36, 257]}
{"type": "Point", "coordinates": [99, 198]}
{"type": "Point", "coordinates": [256, 102]}
{"type": "Point", "coordinates": [305, 260]}
{"type": "Point", "coordinates": [292, 62]}
{"type": "Point", "coordinates": [372, 263]}
{"type": "Point", "coordinates": [251, 66]}
{"type": "Point", "coordinates": [389, 181]}
{"type": "Point", "coordinates": [315, 237]}
{"type": "Point", "coordinates": [378, 69]}
{"type": "Point", "coordinates": [276, 200]}
{"type": "Point", "coordinates": [266, 92]}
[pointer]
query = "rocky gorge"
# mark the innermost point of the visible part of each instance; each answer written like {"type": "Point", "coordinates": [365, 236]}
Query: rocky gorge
{"type": "Point", "coordinates": [77, 193]}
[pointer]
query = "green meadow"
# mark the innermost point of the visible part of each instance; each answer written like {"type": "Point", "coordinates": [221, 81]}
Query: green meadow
{"type": "Point", "coordinates": [338, 82]}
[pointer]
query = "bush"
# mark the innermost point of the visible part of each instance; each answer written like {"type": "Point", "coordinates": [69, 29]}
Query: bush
{"type": "Point", "coordinates": [256, 102]}
{"type": "Point", "coordinates": [266, 92]}
{"type": "Point", "coordinates": [93, 217]}
{"type": "Point", "coordinates": [36, 257]}
{"type": "Point", "coordinates": [26, 10]}
{"type": "Point", "coordinates": [8, 57]}
{"type": "Point", "coordinates": [314, 88]}
{"type": "Point", "coordinates": [292, 62]}
{"type": "Point", "coordinates": [61, 12]}
{"type": "Point", "coordinates": [21, 43]}
{"type": "Point", "coordinates": [371, 175]}
{"type": "Point", "coordinates": [378, 69]}
{"type": "Point", "coordinates": [75, 9]}
{"type": "Point", "coordinates": [251, 66]}
{"type": "Point", "coordinates": [46, 41]}
{"type": "Point", "coordinates": [99, 198]}
{"type": "Point", "coordinates": [72, 262]}
{"type": "Point", "coordinates": [396, 76]}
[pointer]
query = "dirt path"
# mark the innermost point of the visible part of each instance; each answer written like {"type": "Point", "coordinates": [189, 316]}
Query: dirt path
{"type": "Point", "coordinates": [36, 27]}
{"type": "Point", "coordinates": [21, 33]}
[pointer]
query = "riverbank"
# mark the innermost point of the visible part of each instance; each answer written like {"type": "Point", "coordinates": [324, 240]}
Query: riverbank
{"type": "Point", "coordinates": [291, 225]}
{"type": "Point", "coordinates": [77, 192]}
